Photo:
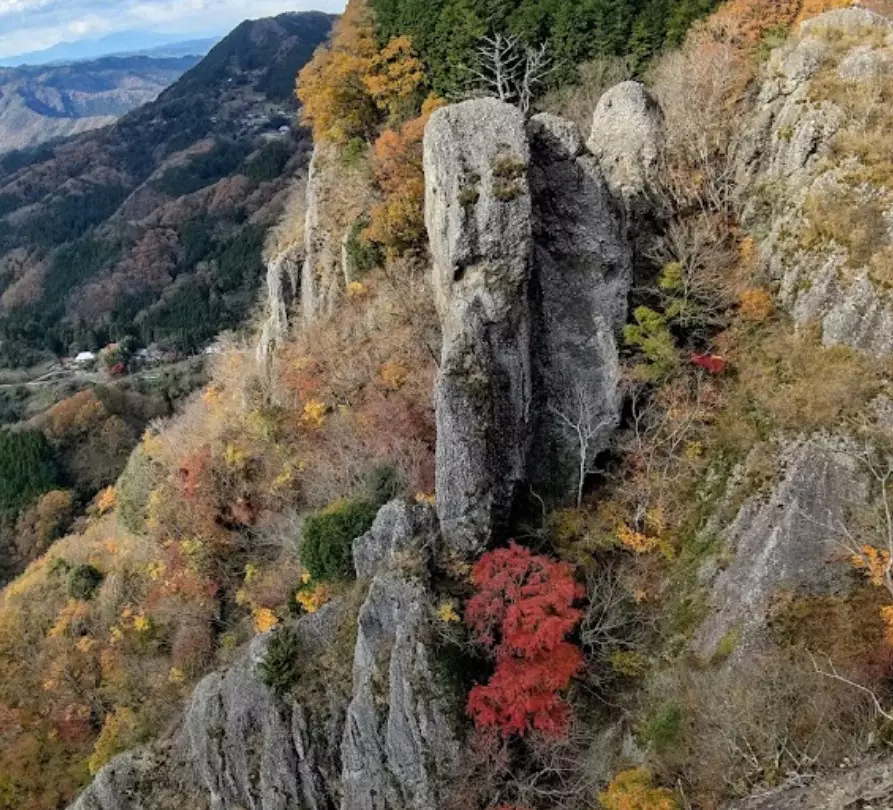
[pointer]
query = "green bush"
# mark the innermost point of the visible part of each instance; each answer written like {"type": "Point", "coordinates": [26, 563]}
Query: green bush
{"type": "Point", "coordinates": [83, 581]}
{"type": "Point", "coordinates": [362, 256]}
{"type": "Point", "coordinates": [664, 727]}
{"type": "Point", "coordinates": [279, 668]}
{"type": "Point", "coordinates": [384, 483]}
{"type": "Point", "coordinates": [327, 541]}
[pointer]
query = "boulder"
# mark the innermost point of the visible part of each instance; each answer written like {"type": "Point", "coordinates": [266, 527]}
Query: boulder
{"type": "Point", "coordinates": [626, 138]}
{"type": "Point", "coordinates": [404, 534]}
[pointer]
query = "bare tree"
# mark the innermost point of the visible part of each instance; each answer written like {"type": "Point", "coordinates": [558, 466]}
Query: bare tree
{"type": "Point", "coordinates": [509, 70]}
{"type": "Point", "coordinates": [579, 416]}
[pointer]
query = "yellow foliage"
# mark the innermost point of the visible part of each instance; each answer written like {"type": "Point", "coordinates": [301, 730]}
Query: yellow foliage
{"type": "Point", "coordinates": [142, 623]}
{"type": "Point", "coordinates": [874, 562]}
{"type": "Point", "coordinates": [356, 289]}
{"type": "Point", "coordinates": [234, 457]}
{"type": "Point", "coordinates": [118, 732]}
{"type": "Point", "coordinates": [426, 497]}
{"type": "Point", "coordinates": [446, 612]}
{"type": "Point", "coordinates": [74, 614]}
{"type": "Point", "coordinates": [264, 620]}
{"type": "Point", "coordinates": [312, 599]}
{"type": "Point", "coordinates": [636, 541]}
{"type": "Point", "coordinates": [176, 675]}
{"type": "Point", "coordinates": [396, 78]}
{"type": "Point", "coordinates": [628, 663]}
{"type": "Point", "coordinates": [756, 305]}
{"type": "Point", "coordinates": [634, 790]}
{"type": "Point", "coordinates": [394, 375]}
{"type": "Point", "coordinates": [332, 86]}
{"type": "Point", "coordinates": [314, 414]}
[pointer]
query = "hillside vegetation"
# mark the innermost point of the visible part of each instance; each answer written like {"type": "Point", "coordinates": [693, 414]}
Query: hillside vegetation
{"type": "Point", "coordinates": [618, 652]}
{"type": "Point", "coordinates": [43, 103]}
{"type": "Point", "coordinates": [154, 227]}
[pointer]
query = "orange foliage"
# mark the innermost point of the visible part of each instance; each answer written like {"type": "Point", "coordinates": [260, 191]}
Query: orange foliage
{"type": "Point", "coordinates": [756, 305]}
{"type": "Point", "coordinates": [332, 86]}
{"type": "Point", "coordinates": [398, 222]}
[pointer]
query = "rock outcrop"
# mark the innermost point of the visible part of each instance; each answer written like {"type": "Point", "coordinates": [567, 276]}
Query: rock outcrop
{"type": "Point", "coordinates": [283, 287]}
{"type": "Point", "coordinates": [626, 138]}
{"type": "Point", "coordinates": [532, 269]}
{"type": "Point", "coordinates": [869, 787]}
{"type": "Point", "coordinates": [783, 541]}
{"type": "Point", "coordinates": [799, 177]}
{"type": "Point", "coordinates": [581, 282]}
{"type": "Point", "coordinates": [337, 197]}
{"type": "Point", "coordinates": [386, 742]}
{"type": "Point", "coordinates": [479, 217]}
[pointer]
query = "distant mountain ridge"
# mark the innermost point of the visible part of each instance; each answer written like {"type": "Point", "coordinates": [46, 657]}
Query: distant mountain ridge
{"type": "Point", "coordinates": [154, 226]}
{"type": "Point", "coordinates": [39, 103]}
{"type": "Point", "coordinates": [125, 43]}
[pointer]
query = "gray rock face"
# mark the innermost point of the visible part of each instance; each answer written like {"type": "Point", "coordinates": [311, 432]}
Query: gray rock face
{"type": "Point", "coordinates": [128, 782]}
{"type": "Point", "coordinates": [399, 741]}
{"type": "Point", "coordinates": [283, 286]}
{"type": "Point", "coordinates": [399, 745]}
{"type": "Point", "coordinates": [785, 161]}
{"type": "Point", "coordinates": [785, 541]}
{"type": "Point", "coordinates": [626, 138]}
{"type": "Point", "coordinates": [863, 788]}
{"type": "Point", "coordinates": [322, 273]}
{"type": "Point", "coordinates": [403, 534]}
{"type": "Point", "coordinates": [249, 750]}
{"type": "Point", "coordinates": [478, 212]}
{"type": "Point", "coordinates": [583, 274]}
{"type": "Point", "coordinates": [532, 271]}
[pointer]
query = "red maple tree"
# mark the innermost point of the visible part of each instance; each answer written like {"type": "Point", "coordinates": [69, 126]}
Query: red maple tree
{"type": "Point", "coordinates": [523, 611]}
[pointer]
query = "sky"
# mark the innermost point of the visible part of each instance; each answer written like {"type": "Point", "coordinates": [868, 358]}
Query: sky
{"type": "Point", "coordinates": [32, 25]}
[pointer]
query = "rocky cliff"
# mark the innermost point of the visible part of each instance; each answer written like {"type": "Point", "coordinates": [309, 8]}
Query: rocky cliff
{"type": "Point", "coordinates": [532, 271]}
{"type": "Point", "coordinates": [812, 184]}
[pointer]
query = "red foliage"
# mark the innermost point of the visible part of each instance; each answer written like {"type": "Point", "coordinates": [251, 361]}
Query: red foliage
{"type": "Point", "coordinates": [713, 363]}
{"type": "Point", "coordinates": [523, 610]}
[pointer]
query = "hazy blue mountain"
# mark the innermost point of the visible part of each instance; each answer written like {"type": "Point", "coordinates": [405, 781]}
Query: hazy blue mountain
{"type": "Point", "coordinates": [129, 43]}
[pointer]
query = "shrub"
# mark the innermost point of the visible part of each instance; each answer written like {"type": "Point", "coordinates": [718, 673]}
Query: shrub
{"type": "Point", "coordinates": [279, 668]}
{"type": "Point", "coordinates": [633, 790]}
{"type": "Point", "coordinates": [363, 256]}
{"type": "Point", "coordinates": [523, 611]}
{"type": "Point", "coordinates": [327, 540]}
{"type": "Point", "coordinates": [384, 483]}
{"type": "Point", "coordinates": [83, 580]}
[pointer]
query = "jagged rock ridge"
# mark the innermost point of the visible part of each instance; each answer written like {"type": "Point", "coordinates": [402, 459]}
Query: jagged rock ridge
{"type": "Point", "coordinates": [532, 270]}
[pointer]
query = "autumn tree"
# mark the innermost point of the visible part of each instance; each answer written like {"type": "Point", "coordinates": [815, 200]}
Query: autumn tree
{"type": "Point", "coordinates": [398, 222]}
{"type": "Point", "coordinates": [332, 87]}
{"type": "Point", "coordinates": [522, 613]}
{"type": "Point", "coordinates": [396, 79]}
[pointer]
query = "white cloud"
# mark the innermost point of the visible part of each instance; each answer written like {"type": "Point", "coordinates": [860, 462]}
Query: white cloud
{"type": "Point", "coordinates": [30, 25]}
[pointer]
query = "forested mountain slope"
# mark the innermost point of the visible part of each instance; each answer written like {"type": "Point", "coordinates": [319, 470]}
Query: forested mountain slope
{"type": "Point", "coordinates": [561, 477]}
{"type": "Point", "coordinates": [39, 104]}
{"type": "Point", "coordinates": [154, 226]}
